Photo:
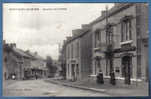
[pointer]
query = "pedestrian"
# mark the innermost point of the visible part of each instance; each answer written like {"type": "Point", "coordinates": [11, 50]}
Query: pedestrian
{"type": "Point", "coordinates": [100, 79]}
{"type": "Point", "coordinates": [112, 79]}
{"type": "Point", "coordinates": [36, 76]}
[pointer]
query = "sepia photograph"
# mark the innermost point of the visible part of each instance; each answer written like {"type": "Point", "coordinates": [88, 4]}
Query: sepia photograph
{"type": "Point", "coordinates": [75, 49]}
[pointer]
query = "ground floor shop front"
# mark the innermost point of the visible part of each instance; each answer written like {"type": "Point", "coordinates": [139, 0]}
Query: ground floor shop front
{"type": "Point", "coordinates": [127, 66]}
{"type": "Point", "coordinates": [20, 73]}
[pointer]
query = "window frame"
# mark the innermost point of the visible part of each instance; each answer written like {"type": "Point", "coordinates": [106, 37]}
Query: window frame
{"type": "Point", "coordinates": [126, 29]}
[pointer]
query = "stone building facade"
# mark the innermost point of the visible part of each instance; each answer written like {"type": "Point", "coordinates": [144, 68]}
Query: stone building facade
{"type": "Point", "coordinates": [15, 62]}
{"type": "Point", "coordinates": [21, 64]}
{"type": "Point", "coordinates": [128, 27]}
{"type": "Point", "coordinates": [79, 54]}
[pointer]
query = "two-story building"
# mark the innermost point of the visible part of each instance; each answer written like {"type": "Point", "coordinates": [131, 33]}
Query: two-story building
{"type": "Point", "coordinates": [15, 62]}
{"type": "Point", "coordinates": [78, 54]}
{"type": "Point", "coordinates": [125, 28]}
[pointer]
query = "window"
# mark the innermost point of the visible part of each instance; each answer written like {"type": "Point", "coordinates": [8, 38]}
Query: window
{"type": "Point", "coordinates": [97, 37]}
{"type": "Point", "coordinates": [109, 34]}
{"type": "Point", "coordinates": [126, 29]}
{"type": "Point", "coordinates": [68, 52]}
{"type": "Point", "coordinates": [77, 49]}
{"type": "Point", "coordinates": [68, 70]}
{"type": "Point", "coordinates": [117, 69]}
{"type": "Point", "coordinates": [72, 51]}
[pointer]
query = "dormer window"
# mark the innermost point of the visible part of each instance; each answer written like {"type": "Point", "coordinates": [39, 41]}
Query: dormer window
{"type": "Point", "coordinates": [126, 34]}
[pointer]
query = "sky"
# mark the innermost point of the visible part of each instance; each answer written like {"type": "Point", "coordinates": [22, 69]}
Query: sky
{"type": "Point", "coordinates": [45, 29]}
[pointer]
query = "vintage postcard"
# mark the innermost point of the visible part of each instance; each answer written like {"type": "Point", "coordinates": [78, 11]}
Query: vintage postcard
{"type": "Point", "coordinates": [75, 49]}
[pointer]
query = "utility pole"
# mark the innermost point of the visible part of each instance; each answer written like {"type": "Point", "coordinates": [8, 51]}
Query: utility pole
{"type": "Point", "coordinates": [109, 51]}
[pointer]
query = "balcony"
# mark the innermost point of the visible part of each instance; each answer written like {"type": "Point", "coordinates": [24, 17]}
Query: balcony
{"type": "Point", "coordinates": [100, 49]}
{"type": "Point", "coordinates": [126, 42]}
{"type": "Point", "coordinates": [97, 49]}
{"type": "Point", "coordinates": [99, 54]}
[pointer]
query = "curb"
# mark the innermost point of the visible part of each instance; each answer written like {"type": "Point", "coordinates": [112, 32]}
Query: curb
{"type": "Point", "coordinates": [79, 87]}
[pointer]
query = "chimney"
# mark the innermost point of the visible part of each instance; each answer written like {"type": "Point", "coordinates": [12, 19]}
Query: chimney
{"type": "Point", "coordinates": [116, 4]}
{"type": "Point", "coordinates": [69, 38]}
{"type": "Point", "coordinates": [27, 51]}
{"type": "Point", "coordinates": [35, 53]}
{"type": "Point", "coordinates": [64, 41]}
{"type": "Point", "coordinates": [85, 26]}
{"type": "Point", "coordinates": [76, 32]}
{"type": "Point", "coordinates": [4, 42]}
{"type": "Point", "coordinates": [103, 13]}
{"type": "Point", "coordinates": [13, 45]}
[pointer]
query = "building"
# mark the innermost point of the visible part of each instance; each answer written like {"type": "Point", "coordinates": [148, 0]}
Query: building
{"type": "Point", "coordinates": [37, 66]}
{"type": "Point", "coordinates": [79, 54]}
{"type": "Point", "coordinates": [122, 30]}
{"type": "Point", "coordinates": [15, 62]}
{"type": "Point", "coordinates": [22, 64]}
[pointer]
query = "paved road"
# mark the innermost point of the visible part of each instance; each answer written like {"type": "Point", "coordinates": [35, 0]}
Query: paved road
{"type": "Point", "coordinates": [42, 88]}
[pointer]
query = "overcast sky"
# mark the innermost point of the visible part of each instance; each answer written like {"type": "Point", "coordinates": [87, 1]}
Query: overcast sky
{"type": "Point", "coordinates": [43, 30]}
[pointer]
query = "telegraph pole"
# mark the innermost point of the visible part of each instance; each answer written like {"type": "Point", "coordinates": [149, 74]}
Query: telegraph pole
{"type": "Point", "coordinates": [109, 50]}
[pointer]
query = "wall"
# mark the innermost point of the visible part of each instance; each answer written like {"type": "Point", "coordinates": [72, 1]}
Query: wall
{"type": "Point", "coordinates": [86, 55]}
{"type": "Point", "coordinates": [115, 19]}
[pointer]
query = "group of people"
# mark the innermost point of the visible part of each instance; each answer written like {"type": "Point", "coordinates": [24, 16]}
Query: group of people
{"type": "Point", "coordinates": [100, 79]}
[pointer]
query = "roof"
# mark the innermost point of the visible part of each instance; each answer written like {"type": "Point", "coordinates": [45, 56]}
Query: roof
{"type": "Point", "coordinates": [34, 56]}
{"type": "Point", "coordinates": [20, 52]}
{"type": "Point", "coordinates": [113, 10]}
{"type": "Point", "coordinates": [81, 33]}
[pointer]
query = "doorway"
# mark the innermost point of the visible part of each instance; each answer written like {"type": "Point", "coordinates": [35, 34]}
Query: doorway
{"type": "Point", "coordinates": [126, 69]}
{"type": "Point", "coordinates": [73, 71]}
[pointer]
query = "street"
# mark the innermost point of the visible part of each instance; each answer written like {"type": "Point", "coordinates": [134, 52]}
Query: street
{"type": "Point", "coordinates": [42, 88]}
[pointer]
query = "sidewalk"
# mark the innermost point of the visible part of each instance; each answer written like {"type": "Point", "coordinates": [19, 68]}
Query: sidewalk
{"type": "Point", "coordinates": [8, 82]}
{"type": "Point", "coordinates": [120, 89]}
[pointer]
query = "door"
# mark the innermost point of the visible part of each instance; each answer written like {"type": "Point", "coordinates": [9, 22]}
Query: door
{"type": "Point", "coordinates": [126, 70]}
{"type": "Point", "coordinates": [73, 71]}
{"type": "Point", "coordinates": [77, 71]}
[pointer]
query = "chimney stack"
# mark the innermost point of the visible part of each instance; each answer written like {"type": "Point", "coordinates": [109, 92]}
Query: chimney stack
{"type": "Point", "coordinates": [103, 13]}
{"type": "Point", "coordinates": [13, 45]}
{"type": "Point", "coordinates": [76, 32]}
{"type": "Point", "coordinates": [27, 51]}
{"type": "Point", "coordinates": [85, 26]}
{"type": "Point", "coordinates": [35, 53]}
{"type": "Point", "coordinates": [4, 42]}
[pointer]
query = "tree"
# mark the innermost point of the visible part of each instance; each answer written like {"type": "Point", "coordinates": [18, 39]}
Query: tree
{"type": "Point", "coordinates": [51, 68]}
